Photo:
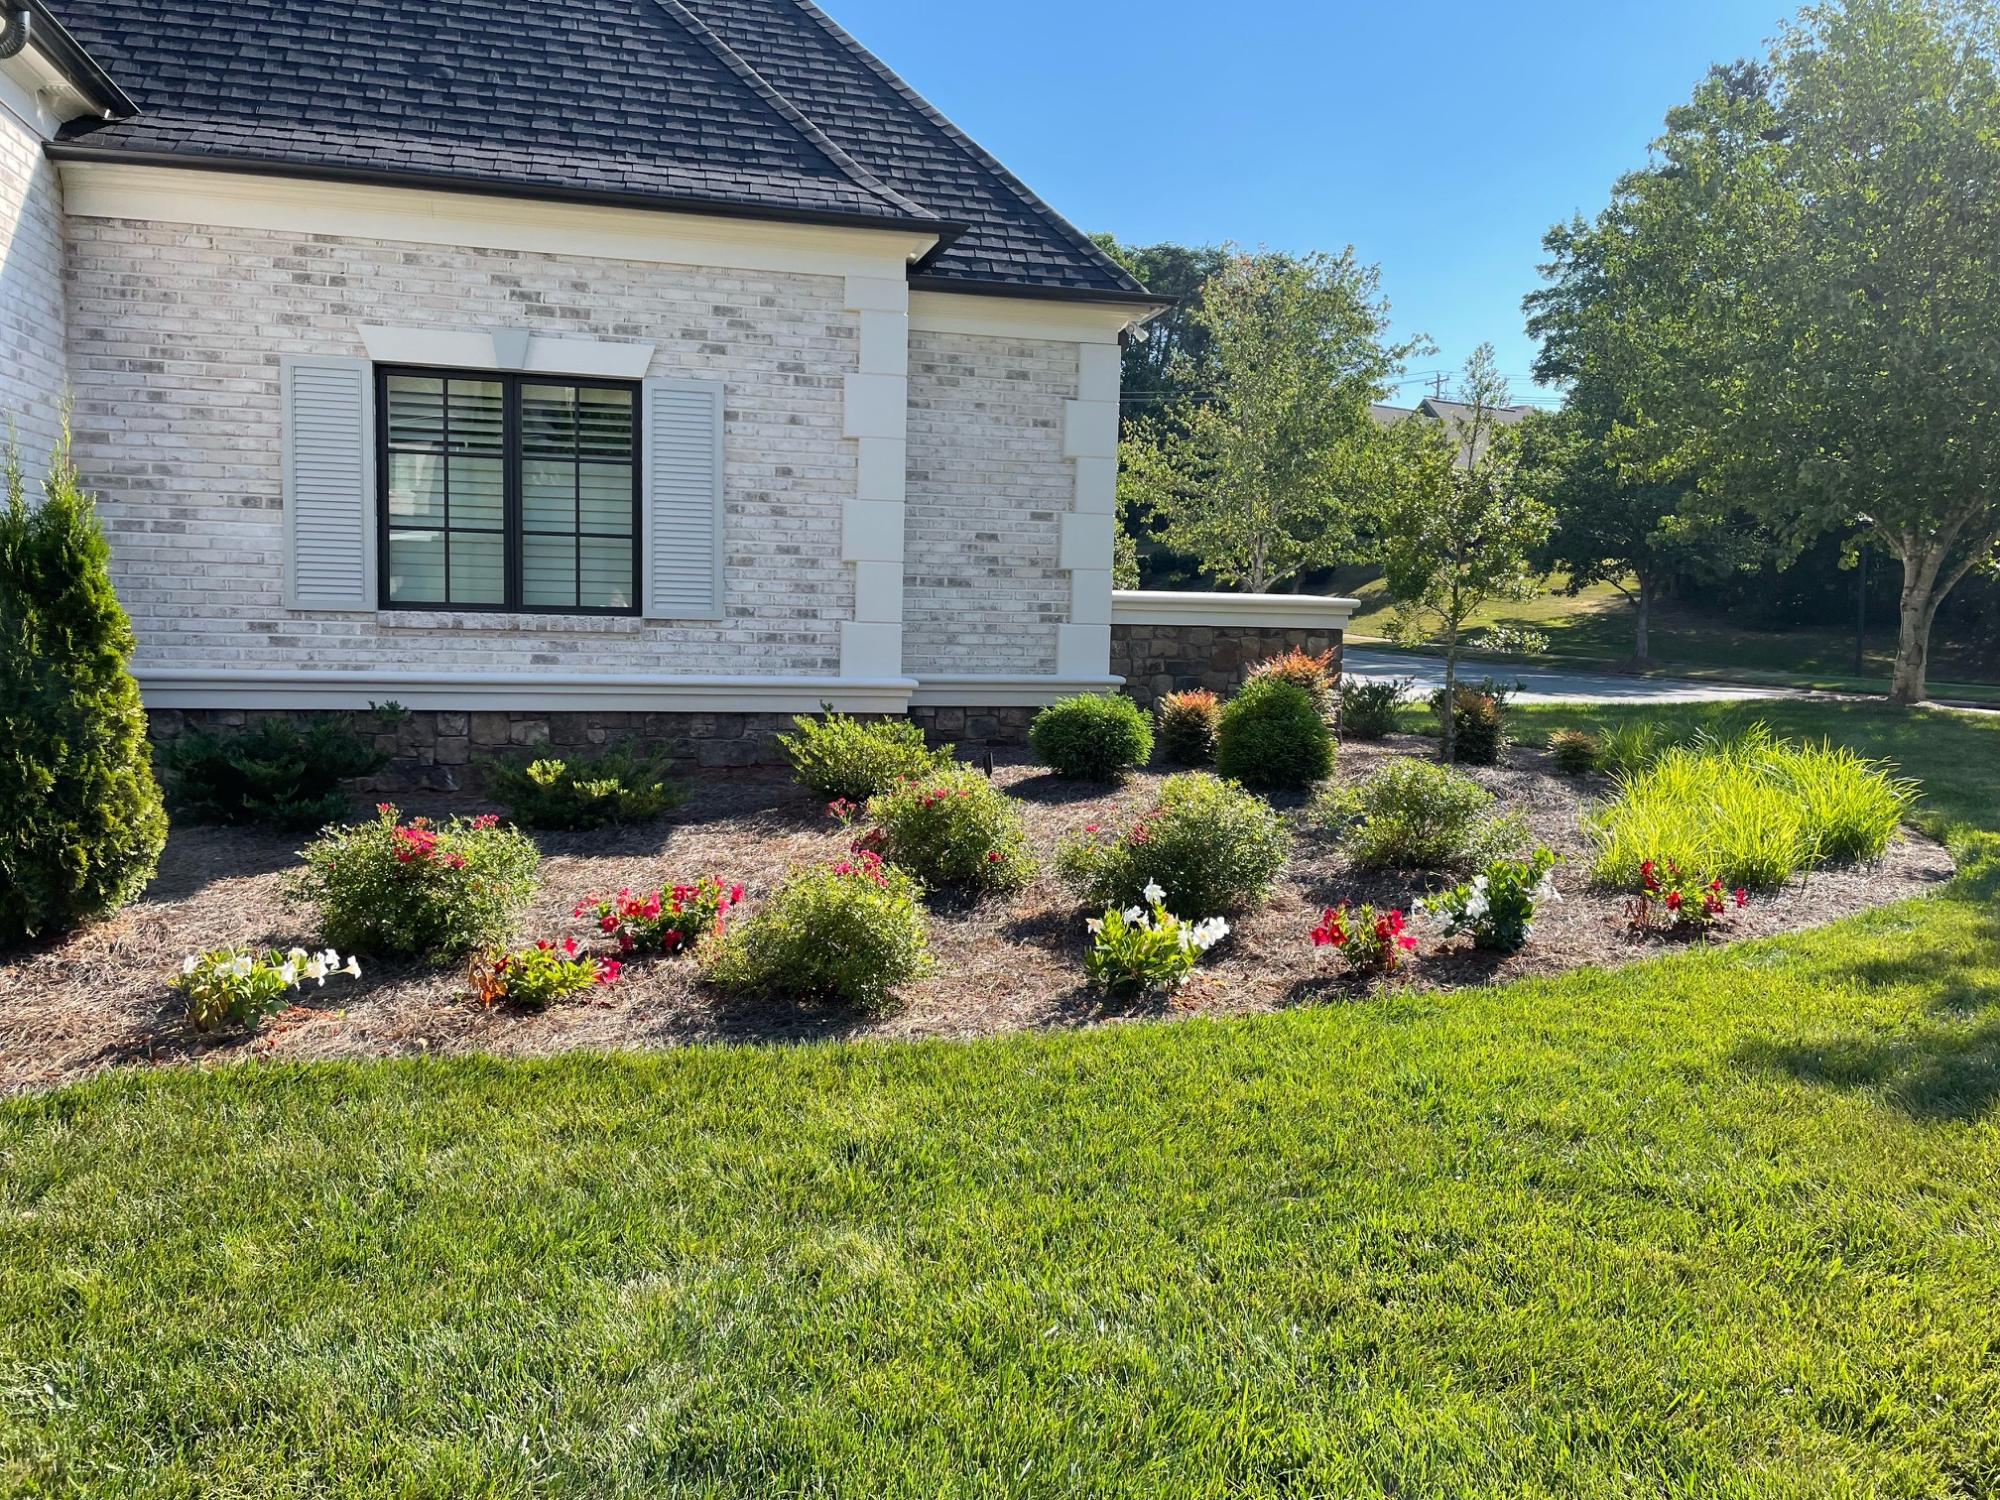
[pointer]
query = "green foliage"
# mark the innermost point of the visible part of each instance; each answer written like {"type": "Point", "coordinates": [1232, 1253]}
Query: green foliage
{"type": "Point", "coordinates": [81, 825]}
{"type": "Point", "coordinates": [1477, 726]}
{"type": "Point", "coordinates": [847, 933]}
{"type": "Point", "coordinates": [1852, 805]}
{"type": "Point", "coordinates": [271, 775]}
{"type": "Point", "coordinates": [1312, 671]}
{"type": "Point", "coordinates": [621, 785]}
{"type": "Point", "coordinates": [955, 828]}
{"type": "Point", "coordinates": [1497, 906]}
{"type": "Point", "coordinates": [838, 756]}
{"type": "Point", "coordinates": [1136, 950]}
{"type": "Point", "coordinates": [1631, 745]}
{"type": "Point", "coordinates": [1212, 846]}
{"type": "Point", "coordinates": [418, 889]}
{"type": "Point", "coordinates": [229, 989]}
{"type": "Point", "coordinates": [1272, 737]}
{"type": "Point", "coordinates": [536, 977]}
{"type": "Point", "coordinates": [1092, 736]}
{"type": "Point", "coordinates": [1368, 709]}
{"type": "Point", "coordinates": [1186, 725]}
{"type": "Point", "coordinates": [1577, 752]}
{"type": "Point", "coordinates": [1416, 815]}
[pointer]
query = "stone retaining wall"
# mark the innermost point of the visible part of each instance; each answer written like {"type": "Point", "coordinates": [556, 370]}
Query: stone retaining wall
{"type": "Point", "coordinates": [1157, 659]}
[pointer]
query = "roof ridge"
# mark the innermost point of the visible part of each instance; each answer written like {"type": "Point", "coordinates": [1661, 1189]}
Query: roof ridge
{"type": "Point", "coordinates": [971, 147]}
{"type": "Point", "coordinates": [797, 118]}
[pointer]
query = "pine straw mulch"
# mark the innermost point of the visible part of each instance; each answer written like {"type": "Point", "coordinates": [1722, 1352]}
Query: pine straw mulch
{"type": "Point", "coordinates": [100, 998]}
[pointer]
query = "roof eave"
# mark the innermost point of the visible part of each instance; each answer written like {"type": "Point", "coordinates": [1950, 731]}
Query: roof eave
{"type": "Point", "coordinates": [67, 56]}
{"type": "Point", "coordinates": [1035, 290]}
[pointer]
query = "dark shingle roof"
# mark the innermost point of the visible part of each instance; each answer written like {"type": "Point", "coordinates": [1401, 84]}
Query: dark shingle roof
{"type": "Point", "coordinates": [760, 107]}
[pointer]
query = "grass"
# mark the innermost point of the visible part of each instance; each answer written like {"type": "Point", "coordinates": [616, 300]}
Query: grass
{"type": "Point", "coordinates": [1718, 1225]}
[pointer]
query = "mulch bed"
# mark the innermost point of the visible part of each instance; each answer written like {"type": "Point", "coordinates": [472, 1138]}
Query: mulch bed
{"type": "Point", "coordinates": [100, 998]}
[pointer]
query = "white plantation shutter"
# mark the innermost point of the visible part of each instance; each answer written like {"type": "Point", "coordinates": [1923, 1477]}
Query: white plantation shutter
{"type": "Point", "coordinates": [329, 484]}
{"type": "Point", "coordinates": [682, 434]}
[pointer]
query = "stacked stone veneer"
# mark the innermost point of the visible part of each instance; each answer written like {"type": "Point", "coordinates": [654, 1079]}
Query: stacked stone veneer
{"type": "Point", "coordinates": [1156, 660]}
{"type": "Point", "coordinates": [32, 372]}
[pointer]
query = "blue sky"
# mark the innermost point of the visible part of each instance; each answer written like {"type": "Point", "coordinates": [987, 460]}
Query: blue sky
{"type": "Point", "coordinates": [1440, 140]}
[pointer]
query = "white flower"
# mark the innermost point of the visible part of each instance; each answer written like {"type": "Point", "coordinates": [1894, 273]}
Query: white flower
{"type": "Point", "coordinates": [288, 973]}
{"type": "Point", "coordinates": [190, 964]}
{"type": "Point", "coordinates": [241, 966]}
{"type": "Point", "coordinates": [315, 967]}
{"type": "Point", "coordinates": [1210, 932]}
{"type": "Point", "coordinates": [1133, 913]}
{"type": "Point", "coordinates": [297, 955]}
{"type": "Point", "coordinates": [1153, 894]}
{"type": "Point", "coordinates": [1093, 924]}
{"type": "Point", "coordinates": [1476, 905]}
{"type": "Point", "coordinates": [353, 967]}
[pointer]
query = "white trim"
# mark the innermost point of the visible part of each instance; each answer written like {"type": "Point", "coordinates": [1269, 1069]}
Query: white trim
{"type": "Point", "coordinates": [1001, 690]}
{"type": "Point", "coordinates": [506, 349]}
{"type": "Point", "coordinates": [1025, 317]}
{"type": "Point", "coordinates": [1274, 611]}
{"type": "Point", "coordinates": [876, 414]}
{"type": "Point", "coordinates": [532, 693]}
{"type": "Point", "coordinates": [292, 205]}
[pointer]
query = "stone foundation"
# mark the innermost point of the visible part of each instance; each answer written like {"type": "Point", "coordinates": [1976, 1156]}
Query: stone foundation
{"type": "Point", "coordinates": [1159, 659]}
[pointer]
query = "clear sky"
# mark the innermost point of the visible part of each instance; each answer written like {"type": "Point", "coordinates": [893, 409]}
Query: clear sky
{"type": "Point", "coordinates": [1439, 139]}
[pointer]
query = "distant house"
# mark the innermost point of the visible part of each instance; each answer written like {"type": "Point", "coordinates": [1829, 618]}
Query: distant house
{"type": "Point", "coordinates": [1455, 414]}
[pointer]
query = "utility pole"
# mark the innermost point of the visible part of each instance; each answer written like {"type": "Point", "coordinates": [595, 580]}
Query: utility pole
{"type": "Point", "coordinates": [1437, 385]}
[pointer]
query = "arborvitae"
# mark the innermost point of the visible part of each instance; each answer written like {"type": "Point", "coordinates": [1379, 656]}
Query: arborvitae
{"type": "Point", "coordinates": [80, 819]}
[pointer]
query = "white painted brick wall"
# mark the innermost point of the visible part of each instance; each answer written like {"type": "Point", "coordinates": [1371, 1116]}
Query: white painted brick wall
{"type": "Point", "coordinates": [176, 333]}
{"type": "Point", "coordinates": [988, 485]}
{"type": "Point", "coordinates": [31, 293]}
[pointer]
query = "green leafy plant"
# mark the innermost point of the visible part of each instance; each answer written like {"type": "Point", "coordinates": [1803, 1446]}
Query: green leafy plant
{"type": "Point", "coordinates": [539, 976]}
{"type": "Point", "coordinates": [849, 933]}
{"type": "Point", "coordinates": [422, 889]}
{"type": "Point", "coordinates": [1272, 737]}
{"type": "Point", "coordinates": [1512, 640]}
{"type": "Point", "coordinates": [1631, 746]}
{"type": "Point", "coordinates": [671, 919]}
{"type": "Point", "coordinates": [1366, 941]}
{"type": "Point", "coordinates": [1215, 846]}
{"type": "Point", "coordinates": [1143, 948]}
{"type": "Point", "coordinates": [1416, 815]}
{"type": "Point", "coordinates": [1186, 724]}
{"type": "Point", "coordinates": [1368, 709]}
{"type": "Point", "coordinates": [1576, 752]}
{"type": "Point", "coordinates": [271, 775]}
{"type": "Point", "coordinates": [234, 988]}
{"type": "Point", "coordinates": [1478, 734]}
{"type": "Point", "coordinates": [1091, 736]}
{"type": "Point", "coordinates": [1671, 901]}
{"type": "Point", "coordinates": [622, 785]}
{"type": "Point", "coordinates": [1497, 906]}
{"type": "Point", "coordinates": [836, 755]}
{"type": "Point", "coordinates": [1311, 671]}
{"type": "Point", "coordinates": [1851, 805]}
{"type": "Point", "coordinates": [952, 828]}
{"type": "Point", "coordinates": [81, 826]}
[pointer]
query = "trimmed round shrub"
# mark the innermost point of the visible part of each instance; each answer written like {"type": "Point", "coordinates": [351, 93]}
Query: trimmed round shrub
{"type": "Point", "coordinates": [847, 933]}
{"type": "Point", "coordinates": [839, 756]}
{"type": "Point", "coordinates": [1576, 752]}
{"type": "Point", "coordinates": [1479, 715]}
{"type": "Point", "coordinates": [1210, 845]}
{"type": "Point", "coordinates": [1368, 709]}
{"type": "Point", "coordinates": [622, 785]}
{"type": "Point", "coordinates": [1092, 736]}
{"type": "Point", "coordinates": [1272, 737]}
{"type": "Point", "coordinates": [273, 774]}
{"type": "Point", "coordinates": [1416, 815]}
{"type": "Point", "coordinates": [1302, 669]}
{"type": "Point", "coordinates": [419, 889]}
{"type": "Point", "coordinates": [81, 826]}
{"type": "Point", "coordinates": [1186, 726]}
{"type": "Point", "coordinates": [955, 828]}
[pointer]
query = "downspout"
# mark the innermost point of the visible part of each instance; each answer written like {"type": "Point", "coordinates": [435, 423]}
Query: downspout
{"type": "Point", "coordinates": [15, 37]}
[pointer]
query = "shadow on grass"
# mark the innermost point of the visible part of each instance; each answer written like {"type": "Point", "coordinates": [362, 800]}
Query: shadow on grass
{"type": "Point", "coordinates": [1938, 1073]}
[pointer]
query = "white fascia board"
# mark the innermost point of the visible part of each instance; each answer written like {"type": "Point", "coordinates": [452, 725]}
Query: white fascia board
{"type": "Point", "coordinates": [997, 690]}
{"type": "Point", "coordinates": [1024, 317]}
{"type": "Point", "coordinates": [1278, 611]}
{"type": "Point", "coordinates": [522, 693]}
{"type": "Point", "coordinates": [293, 205]}
{"type": "Point", "coordinates": [506, 349]}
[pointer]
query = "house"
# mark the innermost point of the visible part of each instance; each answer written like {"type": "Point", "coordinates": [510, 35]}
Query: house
{"type": "Point", "coordinates": [1459, 417]}
{"type": "Point", "coordinates": [557, 371]}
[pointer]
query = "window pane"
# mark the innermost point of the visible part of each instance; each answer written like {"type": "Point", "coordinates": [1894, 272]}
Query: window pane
{"type": "Point", "coordinates": [604, 425]}
{"type": "Point", "coordinates": [548, 571]}
{"type": "Point", "coordinates": [416, 489]}
{"type": "Point", "coordinates": [416, 567]}
{"type": "Point", "coordinates": [478, 493]}
{"type": "Point", "coordinates": [416, 412]}
{"type": "Point", "coordinates": [548, 495]}
{"type": "Point", "coordinates": [478, 568]}
{"type": "Point", "coordinates": [607, 498]}
{"type": "Point", "coordinates": [607, 573]}
{"type": "Point", "coordinates": [548, 421]}
{"type": "Point", "coordinates": [476, 415]}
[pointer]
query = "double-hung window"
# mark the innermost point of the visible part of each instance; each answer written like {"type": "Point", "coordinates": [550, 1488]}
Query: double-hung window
{"type": "Point", "coordinates": [507, 492]}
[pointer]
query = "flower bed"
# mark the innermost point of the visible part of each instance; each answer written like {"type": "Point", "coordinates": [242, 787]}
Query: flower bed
{"type": "Point", "coordinates": [1010, 961]}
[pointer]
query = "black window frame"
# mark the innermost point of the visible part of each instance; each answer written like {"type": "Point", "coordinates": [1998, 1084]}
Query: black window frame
{"type": "Point", "coordinates": [512, 531]}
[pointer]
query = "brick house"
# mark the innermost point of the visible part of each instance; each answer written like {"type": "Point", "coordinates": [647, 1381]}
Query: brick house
{"type": "Point", "coordinates": [555, 370]}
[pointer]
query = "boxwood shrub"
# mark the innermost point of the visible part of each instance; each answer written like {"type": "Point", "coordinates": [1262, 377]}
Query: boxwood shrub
{"type": "Point", "coordinates": [1092, 736]}
{"type": "Point", "coordinates": [1272, 736]}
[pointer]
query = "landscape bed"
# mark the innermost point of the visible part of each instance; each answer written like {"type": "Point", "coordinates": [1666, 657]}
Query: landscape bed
{"type": "Point", "coordinates": [1005, 962]}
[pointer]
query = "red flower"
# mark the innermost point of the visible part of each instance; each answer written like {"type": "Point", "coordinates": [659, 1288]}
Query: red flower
{"type": "Point", "coordinates": [1673, 900]}
{"type": "Point", "coordinates": [608, 969]}
{"type": "Point", "coordinates": [993, 856]}
{"type": "Point", "coordinates": [1646, 876]}
{"type": "Point", "coordinates": [569, 946]}
{"type": "Point", "coordinates": [1742, 896]}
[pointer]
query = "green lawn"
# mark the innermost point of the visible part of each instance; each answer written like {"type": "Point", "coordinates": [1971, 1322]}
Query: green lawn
{"type": "Point", "coordinates": [1722, 1224]}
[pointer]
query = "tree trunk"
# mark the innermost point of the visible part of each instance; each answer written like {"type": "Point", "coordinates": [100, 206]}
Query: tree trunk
{"type": "Point", "coordinates": [1915, 612]}
{"type": "Point", "coordinates": [1451, 696]}
{"type": "Point", "coordinates": [1642, 644]}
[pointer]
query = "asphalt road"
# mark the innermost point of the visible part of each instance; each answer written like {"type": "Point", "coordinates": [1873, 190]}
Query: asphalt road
{"type": "Point", "coordinates": [1540, 685]}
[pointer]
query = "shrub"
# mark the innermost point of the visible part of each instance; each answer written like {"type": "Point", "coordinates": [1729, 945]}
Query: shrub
{"type": "Point", "coordinates": [1091, 737]}
{"type": "Point", "coordinates": [1313, 674]}
{"type": "Point", "coordinates": [1497, 907]}
{"type": "Point", "coordinates": [1512, 640]}
{"type": "Point", "coordinates": [419, 888]}
{"type": "Point", "coordinates": [1576, 751]}
{"type": "Point", "coordinates": [848, 932]}
{"type": "Point", "coordinates": [1367, 941]}
{"type": "Point", "coordinates": [954, 828]}
{"type": "Point", "coordinates": [1852, 805]}
{"type": "Point", "coordinates": [81, 825]}
{"type": "Point", "coordinates": [273, 774]}
{"type": "Point", "coordinates": [838, 756]}
{"type": "Point", "coordinates": [228, 988]}
{"type": "Point", "coordinates": [1627, 748]}
{"type": "Point", "coordinates": [1212, 844]}
{"type": "Point", "coordinates": [1368, 709]}
{"type": "Point", "coordinates": [1135, 950]}
{"type": "Point", "coordinates": [1186, 726]}
{"type": "Point", "coordinates": [1479, 715]}
{"type": "Point", "coordinates": [1670, 901]}
{"type": "Point", "coordinates": [673, 919]}
{"type": "Point", "coordinates": [622, 785]}
{"type": "Point", "coordinates": [1272, 737]}
{"type": "Point", "coordinates": [1416, 815]}
{"type": "Point", "coordinates": [539, 976]}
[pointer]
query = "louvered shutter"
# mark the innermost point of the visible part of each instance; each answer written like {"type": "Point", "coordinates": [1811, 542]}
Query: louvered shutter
{"type": "Point", "coordinates": [329, 484]}
{"type": "Point", "coordinates": [682, 433]}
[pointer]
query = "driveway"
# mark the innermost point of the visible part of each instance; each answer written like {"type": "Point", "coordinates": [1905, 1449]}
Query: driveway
{"type": "Point", "coordinates": [1541, 685]}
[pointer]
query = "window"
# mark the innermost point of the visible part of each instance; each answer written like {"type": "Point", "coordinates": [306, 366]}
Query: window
{"type": "Point", "coordinates": [508, 492]}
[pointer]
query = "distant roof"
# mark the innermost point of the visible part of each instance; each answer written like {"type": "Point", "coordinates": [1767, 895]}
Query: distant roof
{"type": "Point", "coordinates": [764, 108]}
{"type": "Point", "coordinates": [1457, 413]}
